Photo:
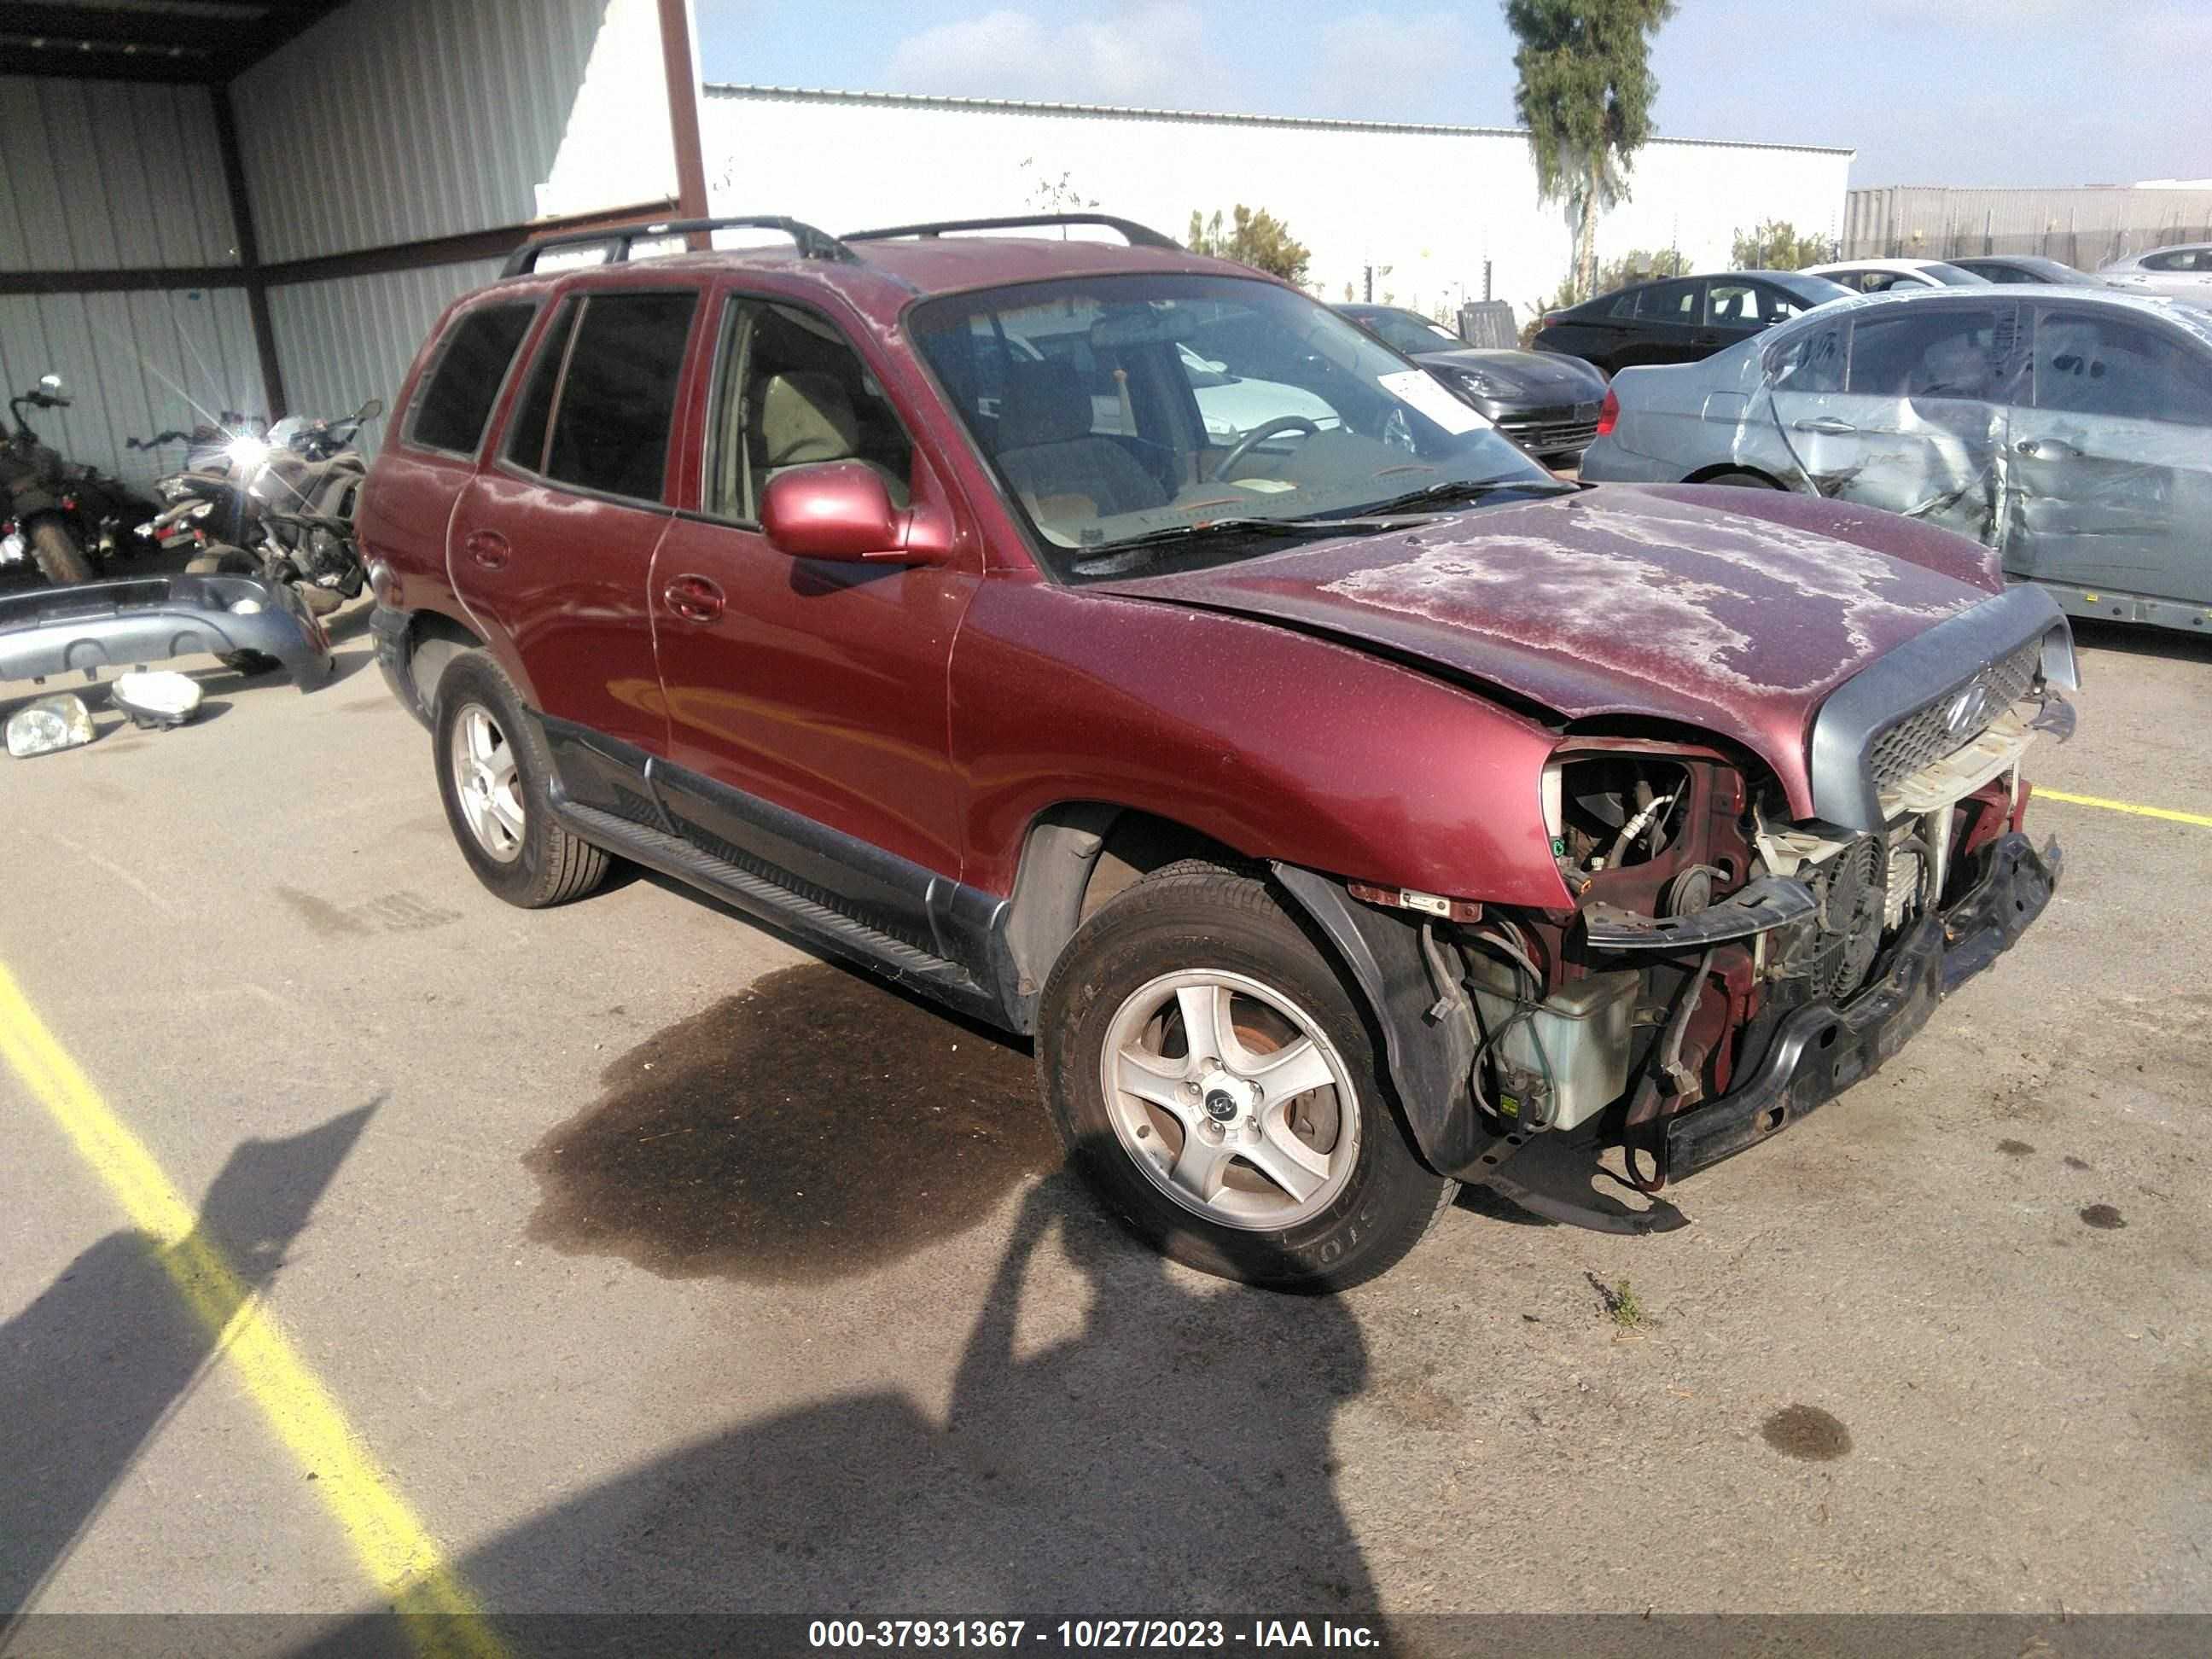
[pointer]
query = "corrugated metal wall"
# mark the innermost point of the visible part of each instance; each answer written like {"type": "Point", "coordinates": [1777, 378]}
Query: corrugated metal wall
{"type": "Point", "coordinates": [344, 342]}
{"type": "Point", "coordinates": [108, 173]}
{"type": "Point", "coordinates": [2085, 229]}
{"type": "Point", "coordinates": [136, 364]}
{"type": "Point", "coordinates": [407, 119]}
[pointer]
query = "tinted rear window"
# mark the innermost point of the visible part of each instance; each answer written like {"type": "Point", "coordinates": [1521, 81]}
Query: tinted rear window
{"type": "Point", "coordinates": [458, 396]}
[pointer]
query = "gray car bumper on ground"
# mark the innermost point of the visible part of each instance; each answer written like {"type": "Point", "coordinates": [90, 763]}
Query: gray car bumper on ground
{"type": "Point", "coordinates": [89, 626]}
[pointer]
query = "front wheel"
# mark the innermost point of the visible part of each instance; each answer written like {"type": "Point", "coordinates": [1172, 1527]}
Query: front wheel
{"type": "Point", "coordinates": [60, 560]}
{"type": "Point", "coordinates": [1215, 1080]}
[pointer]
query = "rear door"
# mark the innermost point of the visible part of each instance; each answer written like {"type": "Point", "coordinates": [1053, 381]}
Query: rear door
{"type": "Point", "coordinates": [406, 509]}
{"type": "Point", "coordinates": [552, 544]}
{"type": "Point", "coordinates": [1920, 416]}
{"type": "Point", "coordinates": [1670, 324]}
{"type": "Point", "coordinates": [2112, 458]}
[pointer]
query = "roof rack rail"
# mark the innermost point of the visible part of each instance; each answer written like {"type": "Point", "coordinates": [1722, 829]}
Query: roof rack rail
{"type": "Point", "coordinates": [1137, 236]}
{"type": "Point", "coordinates": [812, 244]}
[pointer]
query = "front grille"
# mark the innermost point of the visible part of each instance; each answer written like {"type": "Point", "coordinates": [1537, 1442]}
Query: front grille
{"type": "Point", "coordinates": [1548, 431]}
{"type": "Point", "coordinates": [1922, 737]}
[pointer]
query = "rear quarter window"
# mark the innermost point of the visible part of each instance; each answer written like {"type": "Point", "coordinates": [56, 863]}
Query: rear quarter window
{"type": "Point", "coordinates": [464, 380]}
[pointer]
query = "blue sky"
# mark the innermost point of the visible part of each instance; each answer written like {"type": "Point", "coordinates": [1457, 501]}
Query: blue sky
{"type": "Point", "coordinates": [1958, 92]}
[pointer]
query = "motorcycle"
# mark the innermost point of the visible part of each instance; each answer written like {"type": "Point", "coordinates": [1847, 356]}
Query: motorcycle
{"type": "Point", "coordinates": [65, 516]}
{"type": "Point", "coordinates": [277, 505]}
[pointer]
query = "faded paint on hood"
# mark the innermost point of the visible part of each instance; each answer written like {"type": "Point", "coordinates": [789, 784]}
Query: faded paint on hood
{"type": "Point", "coordinates": [1686, 605]}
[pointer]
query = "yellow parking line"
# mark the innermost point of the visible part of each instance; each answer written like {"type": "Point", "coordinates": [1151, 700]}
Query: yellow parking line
{"type": "Point", "coordinates": [401, 1557]}
{"type": "Point", "coordinates": [2167, 812]}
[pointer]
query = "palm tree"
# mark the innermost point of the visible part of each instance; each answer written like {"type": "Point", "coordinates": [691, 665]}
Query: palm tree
{"type": "Point", "coordinates": [1585, 94]}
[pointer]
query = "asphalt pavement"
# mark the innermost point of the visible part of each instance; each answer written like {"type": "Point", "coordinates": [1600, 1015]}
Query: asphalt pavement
{"type": "Point", "coordinates": [628, 1256]}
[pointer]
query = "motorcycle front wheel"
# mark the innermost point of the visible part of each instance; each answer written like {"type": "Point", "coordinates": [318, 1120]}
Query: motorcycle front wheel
{"type": "Point", "coordinates": [60, 559]}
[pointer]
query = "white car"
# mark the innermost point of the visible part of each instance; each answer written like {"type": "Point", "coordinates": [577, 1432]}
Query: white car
{"type": "Point", "coordinates": [1882, 275]}
{"type": "Point", "coordinates": [2184, 271]}
{"type": "Point", "coordinates": [1232, 406]}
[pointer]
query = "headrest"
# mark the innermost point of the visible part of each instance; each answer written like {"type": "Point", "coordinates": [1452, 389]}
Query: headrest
{"type": "Point", "coordinates": [1045, 404]}
{"type": "Point", "coordinates": [806, 417]}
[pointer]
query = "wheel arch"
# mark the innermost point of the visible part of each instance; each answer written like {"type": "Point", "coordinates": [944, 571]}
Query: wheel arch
{"type": "Point", "coordinates": [1707, 474]}
{"type": "Point", "coordinates": [428, 645]}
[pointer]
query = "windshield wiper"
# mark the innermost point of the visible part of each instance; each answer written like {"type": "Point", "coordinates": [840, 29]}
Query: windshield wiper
{"type": "Point", "coordinates": [1470, 489]}
{"type": "Point", "coordinates": [1105, 558]}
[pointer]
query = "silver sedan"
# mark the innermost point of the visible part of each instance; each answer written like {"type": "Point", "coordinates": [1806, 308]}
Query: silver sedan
{"type": "Point", "coordinates": [2184, 272]}
{"type": "Point", "coordinates": [2069, 429]}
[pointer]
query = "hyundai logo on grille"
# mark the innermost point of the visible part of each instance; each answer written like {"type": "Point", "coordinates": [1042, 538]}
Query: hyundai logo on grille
{"type": "Point", "coordinates": [1968, 713]}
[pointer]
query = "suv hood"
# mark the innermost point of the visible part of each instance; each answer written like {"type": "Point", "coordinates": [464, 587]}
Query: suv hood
{"type": "Point", "coordinates": [1730, 611]}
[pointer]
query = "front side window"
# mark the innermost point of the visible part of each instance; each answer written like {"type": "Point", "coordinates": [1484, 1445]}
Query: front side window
{"type": "Point", "coordinates": [458, 392]}
{"type": "Point", "coordinates": [1121, 412]}
{"type": "Point", "coordinates": [1932, 353]}
{"type": "Point", "coordinates": [2086, 363]}
{"type": "Point", "coordinates": [602, 394]}
{"type": "Point", "coordinates": [790, 390]}
{"type": "Point", "coordinates": [1733, 305]}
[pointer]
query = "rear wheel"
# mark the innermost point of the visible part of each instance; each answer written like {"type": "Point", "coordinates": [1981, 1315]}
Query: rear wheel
{"type": "Point", "coordinates": [1741, 481]}
{"type": "Point", "coordinates": [1215, 1079]}
{"type": "Point", "coordinates": [60, 560]}
{"type": "Point", "coordinates": [494, 774]}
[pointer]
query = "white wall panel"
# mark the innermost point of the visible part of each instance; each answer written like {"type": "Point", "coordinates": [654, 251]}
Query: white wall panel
{"type": "Point", "coordinates": [400, 120]}
{"type": "Point", "coordinates": [135, 364]}
{"type": "Point", "coordinates": [1430, 203]}
{"type": "Point", "coordinates": [99, 174]}
{"type": "Point", "coordinates": [348, 340]}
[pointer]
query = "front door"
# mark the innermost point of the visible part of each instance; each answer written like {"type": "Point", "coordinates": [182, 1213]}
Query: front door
{"type": "Point", "coordinates": [2112, 458]}
{"type": "Point", "coordinates": [1670, 325]}
{"type": "Point", "coordinates": [806, 699]}
{"type": "Point", "coordinates": [1914, 422]}
{"type": "Point", "coordinates": [552, 545]}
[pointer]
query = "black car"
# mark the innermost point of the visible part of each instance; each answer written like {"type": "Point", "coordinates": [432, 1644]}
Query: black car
{"type": "Point", "coordinates": [2029, 268]}
{"type": "Point", "coordinates": [1680, 320]}
{"type": "Point", "coordinates": [1546, 405]}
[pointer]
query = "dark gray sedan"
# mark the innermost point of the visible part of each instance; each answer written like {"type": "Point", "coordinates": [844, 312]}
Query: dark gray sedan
{"type": "Point", "coordinates": [1546, 403]}
{"type": "Point", "coordinates": [2069, 429]}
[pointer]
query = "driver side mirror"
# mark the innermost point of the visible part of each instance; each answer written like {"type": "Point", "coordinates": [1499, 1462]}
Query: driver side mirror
{"type": "Point", "coordinates": [370, 410]}
{"type": "Point", "coordinates": [841, 510]}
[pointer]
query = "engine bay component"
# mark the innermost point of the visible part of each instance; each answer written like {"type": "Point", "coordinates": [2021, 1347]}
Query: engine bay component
{"type": "Point", "coordinates": [1759, 907]}
{"type": "Point", "coordinates": [1561, 1061]}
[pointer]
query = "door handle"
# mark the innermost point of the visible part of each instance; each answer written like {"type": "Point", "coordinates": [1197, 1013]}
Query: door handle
{"type": "Point", "coordinates": [1825, 424]}
{"type": "Point", "coordinates": [487, 547]}
{"type": "Point", "coordinates": [2047, 449]}
{"type": "Point", "coordinates": [695, 599]}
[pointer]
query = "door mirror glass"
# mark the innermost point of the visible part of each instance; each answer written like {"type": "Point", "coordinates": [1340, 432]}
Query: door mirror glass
{"type": "Point", "coordinates": [370, 410]}
{"type": "Point", "coordinates": [832, 510]}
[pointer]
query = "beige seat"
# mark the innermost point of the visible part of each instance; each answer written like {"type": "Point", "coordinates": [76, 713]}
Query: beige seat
{"type": "Point", "coordinates": [807, 417]}
{"type": "Point", "coordinates": [1050, 454]}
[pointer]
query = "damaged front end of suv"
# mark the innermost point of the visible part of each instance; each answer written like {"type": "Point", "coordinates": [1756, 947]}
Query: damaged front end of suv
{"type": "Point", "coordinates": [1725, 968]}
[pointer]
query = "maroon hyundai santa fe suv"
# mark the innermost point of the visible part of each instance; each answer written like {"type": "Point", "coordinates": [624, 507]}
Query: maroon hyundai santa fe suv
{"type": "Point", "coordinates": [1118, 647]}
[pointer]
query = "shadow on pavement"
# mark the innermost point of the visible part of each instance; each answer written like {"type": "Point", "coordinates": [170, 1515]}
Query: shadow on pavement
{"type": "Point", "coordinates": [90, 1372]}
{"type": "Point", "coordinates": [1165, 1451]}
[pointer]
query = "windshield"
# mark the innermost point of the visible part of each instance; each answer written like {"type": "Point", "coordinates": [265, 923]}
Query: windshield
{"type": "Point", "coordinates": [1813, 290]}
{"type": "Point", "coordinates": [1118, 408]}
{"type": "Point", "coordinates": [1951, 276]}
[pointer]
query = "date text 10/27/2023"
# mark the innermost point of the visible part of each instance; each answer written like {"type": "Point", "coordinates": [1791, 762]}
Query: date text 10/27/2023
{"type": "Point", "coordinates": [1092, 1635]}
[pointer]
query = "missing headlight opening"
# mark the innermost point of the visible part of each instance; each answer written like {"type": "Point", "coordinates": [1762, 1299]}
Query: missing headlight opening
{"type": "Point", "coordinates": [1705, 917]}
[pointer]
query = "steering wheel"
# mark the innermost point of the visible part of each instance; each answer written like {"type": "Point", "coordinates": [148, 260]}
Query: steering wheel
{"type": "Point", "coordinates": [1265, 429]}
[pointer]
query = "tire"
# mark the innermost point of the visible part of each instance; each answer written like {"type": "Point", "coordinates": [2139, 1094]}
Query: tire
{"type": "Point", "coordinates": [515, 846]}
{"type": "Point", "coordinates": [1372, 1198]}
{"type": "Point", "coordinates": [60, 560]}
{"type": "Point", "coordinates": [248, 663]}
{"type": "Point", "coordinates": [1741, 481]}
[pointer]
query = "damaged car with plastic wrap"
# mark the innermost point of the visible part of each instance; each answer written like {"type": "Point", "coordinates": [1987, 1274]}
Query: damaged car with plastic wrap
{"type": "Point", "coordinates": [1346, 806]}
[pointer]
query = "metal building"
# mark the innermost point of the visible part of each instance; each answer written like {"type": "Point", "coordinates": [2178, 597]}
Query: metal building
{"type": "Point", "coordinates": [259, 206]}
{"type": "Point", "coordinates": [1413, 210]}
{"type": "Point", "coordinates": [2085, 228]}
